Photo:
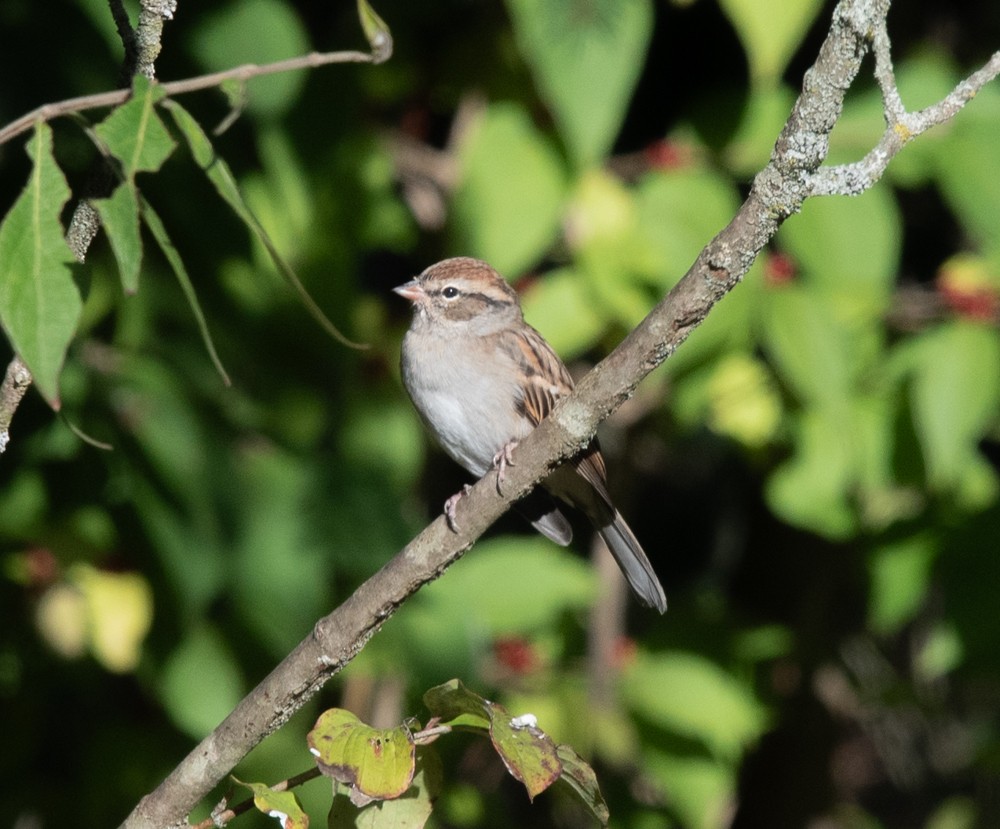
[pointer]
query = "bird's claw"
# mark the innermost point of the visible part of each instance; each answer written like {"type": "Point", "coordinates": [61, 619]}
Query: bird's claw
{"type": "Point", "coordinates": [449, 507]}
{"type": "Point", "coordinates": [503, 459]}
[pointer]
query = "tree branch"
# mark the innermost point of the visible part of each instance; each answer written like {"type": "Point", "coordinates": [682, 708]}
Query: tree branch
{"type": "Point", "coordinates": [901, 126]}
{"type": "Point", "coordinates": [15, 383]}
{"type": "Point", "coordinates": [114, 97]}
{"type": "Point", "coordinates": [778, 192]}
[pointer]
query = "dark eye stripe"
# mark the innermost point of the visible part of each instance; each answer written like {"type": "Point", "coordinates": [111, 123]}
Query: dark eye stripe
{"type": "Point", "coordinates": [473, 296]}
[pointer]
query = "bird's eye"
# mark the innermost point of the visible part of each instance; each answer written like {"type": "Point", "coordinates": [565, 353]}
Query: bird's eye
{"type": "Point", "coordinates": [450, 292]}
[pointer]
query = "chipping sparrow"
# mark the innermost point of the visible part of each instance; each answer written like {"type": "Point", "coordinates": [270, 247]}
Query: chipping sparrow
{"type": "Point", "coordinates": [482, 379]}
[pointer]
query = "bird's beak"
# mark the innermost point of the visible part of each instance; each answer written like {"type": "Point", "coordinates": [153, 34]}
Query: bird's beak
{"type": "Point", "coordinates": [412, 290]}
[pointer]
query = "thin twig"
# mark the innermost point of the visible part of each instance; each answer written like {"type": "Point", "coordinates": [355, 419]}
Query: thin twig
{"type": "Point", "coordinates": [222, 816]}
{"type": "Point", "coordinates": [47, 112]}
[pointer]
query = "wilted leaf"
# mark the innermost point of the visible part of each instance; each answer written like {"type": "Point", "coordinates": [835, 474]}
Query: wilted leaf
{"type": "Point", "coordinates": [282, 806]}
{"type": "Point", "coordinates": [61, 618]}
{"type": "Point", "coordinates": [528, 752]}
{"type": "Point", "coordinates": [39, 302]}
{"type": "Point", "coordinates": [580, 777]}
{"type": "Point", "coordinates": [411, 811]}
{"type": "Point", "coordinates": [378, 764]}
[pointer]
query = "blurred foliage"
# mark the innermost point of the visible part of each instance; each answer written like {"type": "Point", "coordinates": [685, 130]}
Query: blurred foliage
{"type": "Point", "coordinates": [814, 473]}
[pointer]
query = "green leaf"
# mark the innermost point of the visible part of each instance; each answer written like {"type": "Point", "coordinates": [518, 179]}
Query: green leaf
{"type": "Point", "coordinates": [453, 703]}
{"type": "Point", "coordinates": [955, 397]}
{"type": "Point", "coordinates": [586, 56]}
{"type": "Point", "coordinates": [742, 400]}
{"type": "Point", "coordinates": [376, 31]}
{"type": "Point", "coordinates": [812, 488]}
{"type": "Point", "coordinates": [580, 777]}
{"type": "Point", "coordinates": [134, 133]}
{"type": "Point", "coordinates": [274, 553]}
{"type": "Point", "coordinates": [159, 231]}
{"type": "Point", "coordinates": [702, 789]}
{"type": "Point", "coordinates": [850, 247]}
{"type": "Point", "coordinates": [120, 219]}
{"type": "Point", "coordinates": [255, 31]}
{"type": "Point", "coordinates": [770, 31]}
{"type": "Point", "coordinates": [509, 201]}
{"type": "Point", "coordinates": [899, 574]}
{"type": "Point", "coordinates": [283, 806]}
{"type": "Point", "coordinates": [764, 115]}
{"type": "Point", "coordinates": [810, 350]}
{"type": "Point", "coordinates": [521, 584]}
{"type": "Point", "coordinates": [222, 178]}
{"type": "Point", "coordinates": [693, 697]}
{"type": "Point", "coordinates": [560, 306]}
{"type": "Point", "coordinates": [378, 764]}
{"type": "Point", "coordinates": [200, 682]}
{"type": "Point", "coordinates": [39, 302]}
{"type": "Point", "coordinates": [679, 211]}
{"type": "Point", "coordinates": [967, 159]}
{"type": "Point", "coordinates": [609, 251]}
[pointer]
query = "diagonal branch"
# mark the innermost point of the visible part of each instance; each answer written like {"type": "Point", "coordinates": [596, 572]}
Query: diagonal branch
{"type": "Point", "coordinates": [778, 192]}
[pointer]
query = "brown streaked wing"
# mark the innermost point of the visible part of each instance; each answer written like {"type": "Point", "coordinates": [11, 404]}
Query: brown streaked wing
{"type": "Point", "coordinates": [545, 377]}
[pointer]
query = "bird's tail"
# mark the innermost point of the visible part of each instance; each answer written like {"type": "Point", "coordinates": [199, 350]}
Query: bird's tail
{"type": "Point", "coordinates": [633, 563]}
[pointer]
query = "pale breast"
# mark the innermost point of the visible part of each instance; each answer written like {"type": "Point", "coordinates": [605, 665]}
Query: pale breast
{"type": "Point", "coordinates": [466, 398]}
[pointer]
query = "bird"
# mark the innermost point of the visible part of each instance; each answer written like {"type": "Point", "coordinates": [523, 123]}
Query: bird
{"type": "Point", "coordinates": [481, 379]}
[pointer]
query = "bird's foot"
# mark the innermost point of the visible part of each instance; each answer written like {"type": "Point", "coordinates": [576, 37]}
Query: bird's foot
{"type": "Point", "coordinates": [449, 507]}
{"type": "Point", "coordinates": [501, 460]}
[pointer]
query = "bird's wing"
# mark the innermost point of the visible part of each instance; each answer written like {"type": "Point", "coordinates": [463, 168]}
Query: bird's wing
{"type": "Point", "coordinates": [545, 378]}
